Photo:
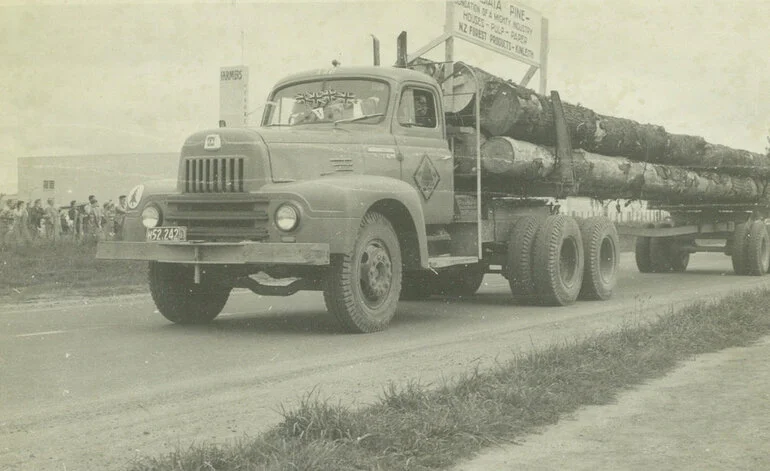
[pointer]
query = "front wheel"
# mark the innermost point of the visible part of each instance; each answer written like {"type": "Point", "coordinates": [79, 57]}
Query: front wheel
{"type": "Point", "coordinates": [182, 301]}
{"type": "Point", "coordinates": [362, 286]}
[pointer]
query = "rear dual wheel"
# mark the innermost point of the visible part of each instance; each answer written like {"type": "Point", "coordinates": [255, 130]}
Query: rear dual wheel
{"type": "Point", "coordinates": [751, 249]}
{"type": "Point", "coordinates": [558, 261]}
{"type": "Point", "coordinates": [600, 247]}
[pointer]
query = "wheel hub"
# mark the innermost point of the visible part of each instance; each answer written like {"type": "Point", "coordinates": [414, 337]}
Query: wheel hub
{"type": "Point", "coordinates": [376, 272]}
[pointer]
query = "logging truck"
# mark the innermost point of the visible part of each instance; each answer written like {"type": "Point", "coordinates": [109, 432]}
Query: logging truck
{"type": "Point", "coordinates": [360, 183]}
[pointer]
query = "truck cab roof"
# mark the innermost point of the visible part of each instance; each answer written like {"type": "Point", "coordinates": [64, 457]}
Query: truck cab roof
{"type": "Point", "coordinates": [391, 74]}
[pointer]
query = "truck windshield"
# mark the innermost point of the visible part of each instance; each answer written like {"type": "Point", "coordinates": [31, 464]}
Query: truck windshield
{"type": "Point", "coordinates": [329, 101]}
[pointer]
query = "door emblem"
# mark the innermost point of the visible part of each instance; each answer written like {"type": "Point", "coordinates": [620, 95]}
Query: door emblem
{"type": "Point", "coordinates": [426, 177]}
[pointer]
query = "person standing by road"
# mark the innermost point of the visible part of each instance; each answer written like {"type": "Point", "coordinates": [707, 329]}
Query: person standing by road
{"type": "Point", "coordinates": [6, 222]}
{"type": "Point", "coordinates": [36, 214]}
{"type": "Point", "coordinates": [52, 222]}
{"type": "Point", "coordinates": [95, 215]}
{"type": "Point", "coordinates": [121, 209]}
{"type": "Point", "coordinates": [20, 231]}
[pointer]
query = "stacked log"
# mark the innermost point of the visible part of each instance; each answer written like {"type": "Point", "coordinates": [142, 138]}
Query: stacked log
{"type": "Point", "coordinates": [605, 177]}
{"type": "Point", "coordinates": [507, 109]}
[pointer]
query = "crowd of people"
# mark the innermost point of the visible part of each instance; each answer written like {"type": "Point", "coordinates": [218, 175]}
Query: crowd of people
{"type": "Point", "coordinates": [24, 223]}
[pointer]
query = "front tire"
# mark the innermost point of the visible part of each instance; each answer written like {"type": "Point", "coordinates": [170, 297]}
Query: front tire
{"type": "Point", "coordinates": [182, 301]}
{"type": "Point", "coordinates": [362, 286]}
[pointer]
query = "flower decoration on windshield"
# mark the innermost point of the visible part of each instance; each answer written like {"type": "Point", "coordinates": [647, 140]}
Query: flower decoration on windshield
{"type": "Point", "coordinates": [324, 97]}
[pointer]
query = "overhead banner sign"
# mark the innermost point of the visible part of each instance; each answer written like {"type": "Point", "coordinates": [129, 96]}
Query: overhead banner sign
{"type": "Point", "coordinates": [234, 96]}
{"type": "Point", "coordinates": [503, 26]}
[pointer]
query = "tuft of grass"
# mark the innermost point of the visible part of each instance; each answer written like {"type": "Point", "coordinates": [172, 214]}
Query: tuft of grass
{"type": "Point", "coordinates": [416, 427]}
{"type": "Point", "coordinates": [47, 270]}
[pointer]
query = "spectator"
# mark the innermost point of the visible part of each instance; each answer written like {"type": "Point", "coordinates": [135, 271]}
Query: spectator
{"type": "Point", "coordinates": [6, 222]}
{"type": "Point", "coordinates": [120, 216]}
{"type": "Point", "coordinates": [36, 215]}
{"type": "Point", "coordinates": [20, 232]}
{"type": "Point", "coordinates": [72, 213]}
{"type": "Point", "coordinates": [95, 216]}
{"type": "Point", "coordinates": [52, 222]}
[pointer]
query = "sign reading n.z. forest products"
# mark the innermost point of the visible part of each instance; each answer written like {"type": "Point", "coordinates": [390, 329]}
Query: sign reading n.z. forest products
{"type": "Point", "coordinates": [506, 27]}
{"type": "Point", "coordinates": [234, 95]}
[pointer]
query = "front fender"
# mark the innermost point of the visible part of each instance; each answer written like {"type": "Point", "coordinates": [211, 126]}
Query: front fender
{"type": "Point", "coordinates": [153, 190]}
{"type": "Point", "coordinates": [351, 197]}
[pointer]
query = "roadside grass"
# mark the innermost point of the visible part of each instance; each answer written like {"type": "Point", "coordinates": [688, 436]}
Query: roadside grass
{"type": "Point", "coordinates": [417, 427]}
{"type": "Point", "coordinates": [47, 271]}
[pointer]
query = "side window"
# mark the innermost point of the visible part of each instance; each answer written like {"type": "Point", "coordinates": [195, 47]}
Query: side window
{"type": "Point", "coordinates": [417, 108]}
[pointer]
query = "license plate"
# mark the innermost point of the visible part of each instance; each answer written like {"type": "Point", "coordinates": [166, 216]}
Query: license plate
{"type": "Point", "coordinates": [163, 233]}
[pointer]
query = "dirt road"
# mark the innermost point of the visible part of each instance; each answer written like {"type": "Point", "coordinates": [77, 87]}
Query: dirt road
{"type": "Point", "coordinates": [712, 413]}
{"type": "Point", "coordinates": [90, 385]}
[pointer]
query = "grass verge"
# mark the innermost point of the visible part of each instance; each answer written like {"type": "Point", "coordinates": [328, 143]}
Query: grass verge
{"type": "Point", "coordinates": [47, 271]}
{"type": "Point", "coordinates": [414, 427]}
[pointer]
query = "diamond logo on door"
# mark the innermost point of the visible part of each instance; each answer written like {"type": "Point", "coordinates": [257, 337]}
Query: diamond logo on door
{"type": "Point", "coordinates": [426, 177]}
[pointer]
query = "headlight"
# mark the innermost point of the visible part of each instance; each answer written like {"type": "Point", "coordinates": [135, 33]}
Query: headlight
{"type": "Point", "coordinates": [150, 216]}
{"type": "Point", "coordinates": [286, 217]}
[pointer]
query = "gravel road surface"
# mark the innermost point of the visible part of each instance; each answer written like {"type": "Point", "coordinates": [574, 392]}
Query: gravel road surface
{"type": "Point", "coordinates": [93, 383]}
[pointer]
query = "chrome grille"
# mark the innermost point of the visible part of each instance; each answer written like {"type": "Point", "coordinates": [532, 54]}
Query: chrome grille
{"type": "Point", "coordinates": [229, 218]}
{"type": "Point", "coordinates": [214, 175]}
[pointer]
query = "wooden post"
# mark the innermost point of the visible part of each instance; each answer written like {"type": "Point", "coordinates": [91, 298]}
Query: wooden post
{"type": "Point", "coordinates": [544, 56]}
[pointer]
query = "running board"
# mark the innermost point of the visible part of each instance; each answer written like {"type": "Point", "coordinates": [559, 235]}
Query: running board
{"type": "Point", "coordinates": [443, 262]}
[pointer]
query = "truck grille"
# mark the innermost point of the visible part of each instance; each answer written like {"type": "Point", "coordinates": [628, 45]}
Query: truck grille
{"type": "Point", "coordinates": [228, 219]}
{"type": "Point", "coordinates": [213, 175]}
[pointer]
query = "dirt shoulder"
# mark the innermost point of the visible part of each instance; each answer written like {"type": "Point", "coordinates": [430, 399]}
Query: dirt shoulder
{"type": "Point", "coordinates": [711, 413]}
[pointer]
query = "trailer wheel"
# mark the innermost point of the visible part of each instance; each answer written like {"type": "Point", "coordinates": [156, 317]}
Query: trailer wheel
{"type": "Point", "coordinates": [757, 249]}
{"type": "Point", "coordinates": [679, 258]}
{"type": "Point", "coordinates": [179, 299]}
{"type": "Point", "coordinates": [558, 262]}
{"type": "Point", "coordinates": [600, 248]}
{"type": "Point", "coordinates": [739, 247]}
{"type": "Point", "coordinates": [642, 252]}
{"type": "Point", "coordinates": [521, 242]}
{"type": "Point", "coordinates": [660, 251]}
{"type": "Point", "coordinates": [463, 281]}
{"type": "Point", "coordinates": [362, 287]}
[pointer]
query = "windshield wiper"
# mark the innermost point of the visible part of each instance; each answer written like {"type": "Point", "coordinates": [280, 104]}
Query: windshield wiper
{"type": "Point", "coordinates": [350, 120]}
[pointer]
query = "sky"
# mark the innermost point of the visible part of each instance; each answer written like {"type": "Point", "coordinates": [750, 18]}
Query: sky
{"type": "Point", "coordinates": [116, 77]}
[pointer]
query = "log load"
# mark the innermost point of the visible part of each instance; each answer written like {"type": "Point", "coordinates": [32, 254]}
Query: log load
{"type": "Point", "coordinates": [510, 164]}
{"type": "Point", "coordinates": [507, 109]}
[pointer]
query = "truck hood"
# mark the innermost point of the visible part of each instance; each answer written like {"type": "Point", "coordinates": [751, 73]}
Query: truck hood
{"type": "Point", "coordinates": [309, 152]}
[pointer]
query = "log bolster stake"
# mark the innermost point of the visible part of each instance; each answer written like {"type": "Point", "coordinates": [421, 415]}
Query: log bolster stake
{"type": "Point", "coordinates": [564, 159]}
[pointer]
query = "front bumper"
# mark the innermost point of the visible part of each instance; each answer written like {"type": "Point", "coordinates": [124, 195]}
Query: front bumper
{"type": "Point", "coordinates": [217, 253]}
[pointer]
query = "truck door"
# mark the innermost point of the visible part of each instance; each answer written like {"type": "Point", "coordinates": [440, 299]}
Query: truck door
{"type": "Point", "coordinates": [426, 161]}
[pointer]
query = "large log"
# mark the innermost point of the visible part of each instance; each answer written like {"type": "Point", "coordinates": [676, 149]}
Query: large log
{"type": "Point", "coordinates": [520, 164]}
{"type": "Point", "coordinates": [507, 109]}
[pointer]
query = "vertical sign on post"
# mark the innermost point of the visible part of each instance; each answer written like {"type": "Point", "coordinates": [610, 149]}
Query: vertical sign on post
{"type": "Point", "coordinates": [234, 95]}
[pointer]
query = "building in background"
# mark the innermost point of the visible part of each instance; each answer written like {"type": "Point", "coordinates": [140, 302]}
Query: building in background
{"type": "Point", "coordinates": [75, 177]}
